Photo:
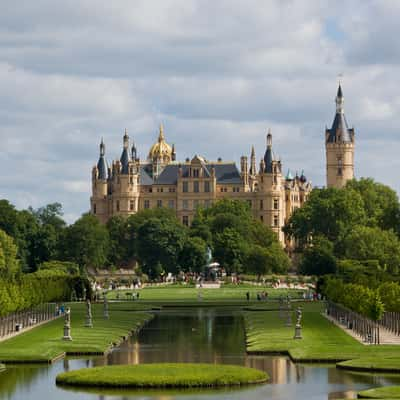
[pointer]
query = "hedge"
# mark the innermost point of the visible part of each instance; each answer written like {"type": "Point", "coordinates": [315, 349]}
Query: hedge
{"type": "Point", "coordinates": [28, 290]}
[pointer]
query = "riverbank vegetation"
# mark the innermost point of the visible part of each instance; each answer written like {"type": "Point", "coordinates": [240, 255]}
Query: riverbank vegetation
{"type": "Point", "coordinates": [386, 392]}
{"type": "Point", "coordinates": [266, 332]}
{"type": "Point", "coordinates": [163, 375]}
{"type": "Point", "coordinates": [155, 238]}
{"type": "Point", "coordinates": [44, 343]}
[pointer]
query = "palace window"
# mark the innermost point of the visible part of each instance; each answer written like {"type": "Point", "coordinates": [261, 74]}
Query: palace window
{"type": "Point", "coordinates": [185, 220]}
{"type": "Point", "coordinates": [159, 203]}
{"type": "Point", "coordinates": [132, 205]}
{"type": "Point", "coordinates": [94, 208]}
{"type": "Point", "coordinates": [171, 190]}
{"type": "Point", "coordinates": [147, 204]}
{"type": "Point", "coordinates": [195, 173]}
{"type": "Point", "coordinates": [195, 204]}
{"type": "Point", "coordinates": [196, 185]}
{"type": "Point", "coordinates": [185, 187]}
{"type": "Point", "coordinates": [276, 220]}
{"type": "Point", "coordinates": [261, 218]}
{"type": "Point", "coordinates": [117, 205]}
{"type": "Point", "coordinates": [207, 203]}
{"type": "Point", "coordinates": [340, 166]}
{"type": "Point", "coordinates": [185, 204]}
{"type": "Point", "coordinates": [171, 204]}
{"type": "Point", "coordinates": [261, 205]}
{"type": "Point", "coordinates": [276, 204]}
{"type": "Point", "coordinates": [250, 203]}
{"type": "Point", "coordinates": [207, 186]}
{"type": "Point", "coordinates": [131, 180]}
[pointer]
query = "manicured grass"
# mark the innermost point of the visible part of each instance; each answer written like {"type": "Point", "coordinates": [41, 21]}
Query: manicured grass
{"type": "Point", "coordinates": [227, 293]}
{"type": "Point", "coordinates": [162, 375]}
{"type": "Point", "coordinates": [322, 340]}
{"type": "Point", "coordinates": [372, 364]}
{"type": "Point", "coordinates": [385, 392]}
{"type": "Point", "coordinates": [44, 343]}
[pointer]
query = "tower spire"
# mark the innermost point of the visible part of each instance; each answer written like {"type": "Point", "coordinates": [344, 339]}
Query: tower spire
{"type": "Point", "coordinates": [161, 134]}
{"type": "Point", "coordinates": [339, 101]}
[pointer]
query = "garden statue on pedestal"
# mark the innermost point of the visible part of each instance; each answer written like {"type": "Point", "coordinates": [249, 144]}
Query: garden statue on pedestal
{"type": "Point", "coordinates": [105, 307]}
{"type": "Point", "coordinates": [88, 322]}
{"type": "Point", "coordinates": [297, 332]}
{"type": "Point", "coordinates": [67, 325]}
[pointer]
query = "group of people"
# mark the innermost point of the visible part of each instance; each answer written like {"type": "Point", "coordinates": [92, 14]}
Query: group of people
{"type": "Point", "coordinates": [260, 295]}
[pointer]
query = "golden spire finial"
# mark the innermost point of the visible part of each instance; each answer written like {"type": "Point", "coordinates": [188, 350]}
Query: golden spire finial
{"type": "Point", "coordinates": [161, 135]}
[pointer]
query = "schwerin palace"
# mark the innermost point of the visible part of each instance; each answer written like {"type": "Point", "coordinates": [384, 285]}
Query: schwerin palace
{"type": "Point", "coordinates": [130, 184]}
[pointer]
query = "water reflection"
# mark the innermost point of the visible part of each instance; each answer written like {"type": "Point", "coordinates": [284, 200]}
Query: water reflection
{"type": "Point", "coordinates": [198, 335]}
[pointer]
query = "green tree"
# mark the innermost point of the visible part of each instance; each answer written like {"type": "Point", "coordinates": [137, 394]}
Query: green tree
{"type": "Point", "coordinates": [9, 265]}
{"type": "Point", "coordinates": [389, 293]}
{"type": "Point", "coordinates": [86, 242]}
{"type": "Point", "coordinates": [160, 241]}
{"type": "Point", "coordinates": [257, 261]}
{"type": "Point", "coordinates": [381, 203]}
{"type": "Point", "coordinates": [193, 256]}
{"type": "Point", "coordinates": [365, 243]}
{"type": "Point", "coordinates": [230, 250]}
{"type": "Point", "coordinates": [318, 258]}
{"type": "Point", "coordinates": [121, 244]}
{"type": "Point", "coordinates": [331, 212]}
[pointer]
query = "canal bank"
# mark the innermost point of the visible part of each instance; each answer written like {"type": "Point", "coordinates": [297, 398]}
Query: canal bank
{"type": "Point", "coordinates": [213, 335]}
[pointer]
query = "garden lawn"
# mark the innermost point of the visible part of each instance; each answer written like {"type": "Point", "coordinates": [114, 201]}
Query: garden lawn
{"type": "Point", "coordinates": [322, 340]}
{"type": "Point", "coordinates": [385, 392]}
{"type": "Point", "coordinates": [44, 343]}
{"type": "Point", "coordinates": [162, 375]}
{"type": "Point", "coordinates": [181, 294]}
{"type": "Point", "coordinates": [372, 364]}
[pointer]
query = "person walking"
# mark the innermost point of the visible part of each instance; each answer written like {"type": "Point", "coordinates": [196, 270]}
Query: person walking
{"type": "Point", "coordinates": [248, 296]}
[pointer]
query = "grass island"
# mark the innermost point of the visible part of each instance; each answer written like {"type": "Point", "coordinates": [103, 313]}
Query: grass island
{"type": "Point", "coordinates": [164, 375]}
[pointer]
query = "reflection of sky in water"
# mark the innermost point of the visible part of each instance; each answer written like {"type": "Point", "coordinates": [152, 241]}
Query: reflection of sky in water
{"type": "Point", "coordinates": [201, 335]}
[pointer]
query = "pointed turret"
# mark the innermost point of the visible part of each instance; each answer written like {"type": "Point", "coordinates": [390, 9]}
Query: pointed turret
{"type": "Point", "coordinates": [340, 131]}
{"type": "Point", "coordinates": [134, 151]}
{"type": "Point", "coordinates": [125, 154]}
{"type": "Point", "coordinates": [339, 145]}
{"type": "Point", "coordinates": [253, 169]}
{"type": "Point", "coordinates": [269, 155]}
{"type": "Point", "coordinates": [102, 164]}
{"type": "Point", "coordinates": [173, 154]}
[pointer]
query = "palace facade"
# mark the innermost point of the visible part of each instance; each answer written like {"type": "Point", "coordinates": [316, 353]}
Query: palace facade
{"type": "Point", "coordinates": [130, 184]}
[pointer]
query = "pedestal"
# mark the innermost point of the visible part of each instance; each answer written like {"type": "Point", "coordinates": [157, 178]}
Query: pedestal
{"type": "Point", "coordinates": [67, 332]}
{"type": "Point", "coordinates": [297, 332]}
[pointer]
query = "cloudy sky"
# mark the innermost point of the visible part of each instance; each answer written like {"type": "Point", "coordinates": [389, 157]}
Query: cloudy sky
{"type": "Point", "coordinates": [217, 74]}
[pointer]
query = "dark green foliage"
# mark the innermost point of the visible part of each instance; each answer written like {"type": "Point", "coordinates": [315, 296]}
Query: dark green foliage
{"type": "Point", "coordinates": [66, 267]}
{"type": "Point", "coordinates": [229, 227]}
{"type": "Point", "coordinates": [121, 247]}
{"type": "Point", "coordinates": [160, 241]}
{"type": "Point", "coordinates": [86, 242]}
{"type": "Point", "coordinates": [193, 256]}
{"type": "Point", "coordinates": [366, 243]}
{"type": "Point", "coordinates": [381, 203]}
{"type": "Point", "coordinates": [9, 265]}
{"type": "Point", "coordinates": [328, 212]}
{"type": "Point", "coordinates": [318, 259]}
{"type": "Point", "coordinates": [29, 290]}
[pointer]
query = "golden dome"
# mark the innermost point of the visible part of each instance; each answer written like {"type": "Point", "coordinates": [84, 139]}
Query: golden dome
{"type": "Point", "coordinates": [161, 149]}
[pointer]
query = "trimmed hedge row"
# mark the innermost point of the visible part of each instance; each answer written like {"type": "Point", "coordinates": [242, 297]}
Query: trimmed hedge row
{"type": "Point", "coordinates": [28, 290]}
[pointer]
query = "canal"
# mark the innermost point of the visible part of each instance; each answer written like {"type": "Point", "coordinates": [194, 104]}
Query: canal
{"type": "Point", "coordinates": [214, 335]}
